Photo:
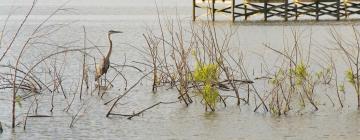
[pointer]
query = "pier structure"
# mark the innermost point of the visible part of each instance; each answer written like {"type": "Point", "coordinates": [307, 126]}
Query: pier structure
{"type": "Point", "coordinates": [276, 9]}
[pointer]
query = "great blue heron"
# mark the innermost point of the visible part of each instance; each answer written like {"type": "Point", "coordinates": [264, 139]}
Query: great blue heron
{"type": "Point", "coordinates": [104, 64]}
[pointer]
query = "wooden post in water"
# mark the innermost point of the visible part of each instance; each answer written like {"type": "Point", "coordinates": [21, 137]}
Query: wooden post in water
{"type": "Point", "coordinates": [345, 9]}
{"type": "Point", "coordinates": [286, 9]}
{"type": "Point", "coordinates": [338, 10]}
{"type": "Point", "coordinates": [193, 10]}
{"type": "Point", "coordinates": [317, 9]}
{"type": "Point", "coordinates": [213, 10]}
{"type": "Point", "coordinates": [245, 10]}
{"type": "Point", "coordinates": [265, 10]}
{"type": "Point", "coordinates": [296, 11]}
{"type": "Point", "coordinates": [233, 10]}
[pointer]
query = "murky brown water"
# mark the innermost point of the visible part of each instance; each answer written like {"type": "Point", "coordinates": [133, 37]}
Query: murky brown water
{"type": "Point", "coordinates": [173, 121]}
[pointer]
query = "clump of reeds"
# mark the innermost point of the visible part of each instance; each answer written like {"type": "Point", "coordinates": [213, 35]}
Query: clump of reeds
{"type": "Point", "coordinates": [178, 57]}
{"type": "Point", "coordinates": [294, 81]}
{"type": "Point", "coordinates": [351, 50]}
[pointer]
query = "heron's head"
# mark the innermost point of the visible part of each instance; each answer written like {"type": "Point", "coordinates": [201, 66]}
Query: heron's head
{"type": "Point", "coordinates": [114, 32]}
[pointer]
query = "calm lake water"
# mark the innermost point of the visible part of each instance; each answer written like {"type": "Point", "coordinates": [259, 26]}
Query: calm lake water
{"type": "Point", "coordinates": [173, 121]}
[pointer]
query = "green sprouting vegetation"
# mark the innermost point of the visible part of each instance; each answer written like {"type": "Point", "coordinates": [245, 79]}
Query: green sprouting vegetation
{"type": "Point", "coordinates": [342, 88]}
{"type": "Point", "coordinates": [300, 72]}
{"type": "Point", "coordinates": [208, 75]}
{"type": "Point", "coordinates": [350, 77]}
{"type": "Point", "coordinates": [353, 78]}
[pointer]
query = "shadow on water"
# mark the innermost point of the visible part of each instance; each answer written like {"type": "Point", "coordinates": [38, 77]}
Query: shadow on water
{"type": "Point", "coordinates": [211, 116]}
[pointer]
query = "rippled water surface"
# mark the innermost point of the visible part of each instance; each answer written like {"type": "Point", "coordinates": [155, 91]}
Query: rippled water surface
{"type": "Point", "coordinates": [171, 121]}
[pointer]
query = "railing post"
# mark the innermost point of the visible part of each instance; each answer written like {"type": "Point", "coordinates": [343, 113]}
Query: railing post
{"type": "Point", "coordinates": [193, 10]}
{"type": "Point", "coordinates": [296, 11]}
{"type": "Point", "coordinates": [286, 9]}
{"type": "Point", "coordinates": [213, 10]}
{"type": "Point", "coordinates": [345, 8]}
{"type": "Point", "coordinates": [265, 10]}
{"type": "Point", "coordinates": [317, 9]}
{"type": "Point", "coordinates": [338, 10]}
{"type": "Point", "coordinates": [245, 10]}
{"type": "Point", "coordinates": [233, 10]}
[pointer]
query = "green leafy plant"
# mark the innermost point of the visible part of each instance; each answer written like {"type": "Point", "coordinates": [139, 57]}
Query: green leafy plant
{"type": "Point", "coordinates": [300, 72]}
{"type": "Point", "coordinates": [208, 74]}
{"type": "Point", "coordinates": [353, 79]}
{"type": "Point", "coordinates": [350, 77]}
{"type": "Point", "coordinates": [342, 88]}
{"type": "Point", "coordinates": [18, 100]}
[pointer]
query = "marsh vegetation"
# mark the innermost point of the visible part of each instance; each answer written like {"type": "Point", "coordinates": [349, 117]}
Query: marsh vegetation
{"type": "Point", "coordinates": [198, 62]}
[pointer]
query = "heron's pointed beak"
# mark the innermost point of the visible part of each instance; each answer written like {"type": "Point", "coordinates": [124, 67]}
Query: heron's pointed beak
{"type": "Point", "coordinates": [114, 32]}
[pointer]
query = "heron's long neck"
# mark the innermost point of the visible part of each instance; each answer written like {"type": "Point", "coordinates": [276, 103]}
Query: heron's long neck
{"type": "Point", "coordinates": [110, 48]}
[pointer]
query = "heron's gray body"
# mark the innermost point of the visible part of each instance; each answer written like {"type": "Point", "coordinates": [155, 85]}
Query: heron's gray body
{"type": "Point", "coordinates": [104, 64]}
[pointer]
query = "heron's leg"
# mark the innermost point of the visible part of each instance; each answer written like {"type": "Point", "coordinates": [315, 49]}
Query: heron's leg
{"type": "Point", "coordinates": [102, 84]}
{"type": "Point", "coordinates": [105, 79]}
{"type": "Point", "coordinates": [99, 85]}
